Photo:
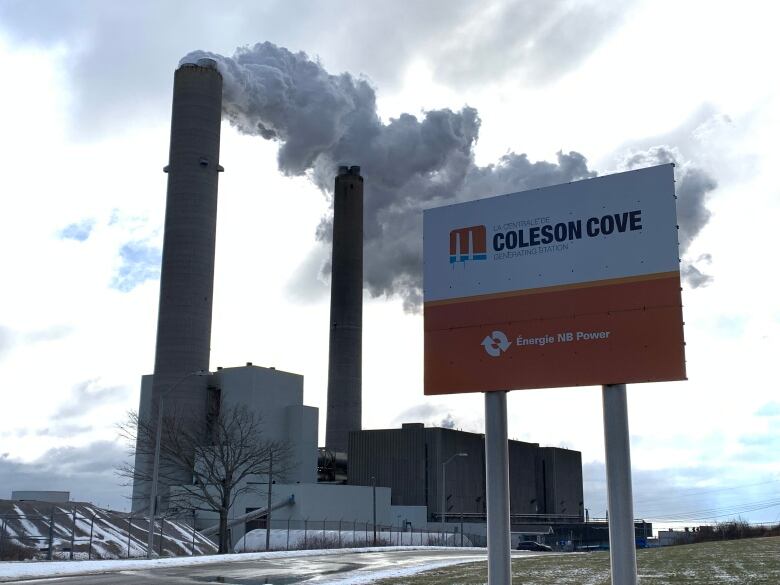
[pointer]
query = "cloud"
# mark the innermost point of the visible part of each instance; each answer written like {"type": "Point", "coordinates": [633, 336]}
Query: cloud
{"type": "Point", "coordinates": [762, 447]}
{"type": "Point", "coordinates": [10, 338]}
{"type": "Point", "coordinates": [769, 409]}
{"type": "Point", "coordinates": [767, 440]}
{"type": "Point", "coordinates": [140, 261]}
{"type": "Point", "coordinates": [16, 433]}
{"type": "Point", "coordinates": [322, 120]}
{"type": "Point", "coordinates": [692, 495]}
{"type": "Point", "coordinates": [97, 457]}
{"type": "Point", "coordinates": [420, 413]}
{"type": "Point", "coordinates": [432, 415]}
{"type": "Point", "coordinates": [77, 231]}
{"type": "Point", "coordinates": [693, 185]}
{"type": "Point", "coordinates": [307, 284]}
{"type": "Point", "coordinates": [64, 431]}
{"type": "Point", "coordinates": [693, 276]}
{"type": "Point", "coordinates": [114, 71]}
{"type": "Point", "coordinates": [87, 396]}
{"type": "Point", "coordinates": [87, 472]}
{"type": "Point", "coordinates": [536, 42]}
{"type": "Point", "coordinates": [6, 340]}
{"type": "Point", "coordinates": [447, 422]}
{"type": "Point", "coordinates": [52, 333]}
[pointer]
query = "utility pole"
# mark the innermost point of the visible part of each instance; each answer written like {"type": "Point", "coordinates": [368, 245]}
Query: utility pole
{"type": "Point", "coordinates": [268, 507]}
{"type": "Point", "coordinates": [373, 485]}
{"type": "Point", "coordinates": [444, 493]}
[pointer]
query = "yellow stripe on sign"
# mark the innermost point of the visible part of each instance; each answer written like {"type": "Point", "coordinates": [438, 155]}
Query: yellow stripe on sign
{"type": "Point", "coordinates": [558, 288]}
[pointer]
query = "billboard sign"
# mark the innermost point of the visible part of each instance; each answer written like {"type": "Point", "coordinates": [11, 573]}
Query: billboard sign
{"type": "Point", "coordinates": [570, 285]}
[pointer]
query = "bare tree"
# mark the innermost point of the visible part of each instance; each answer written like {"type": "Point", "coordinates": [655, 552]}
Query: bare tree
{"type": "Point", "coordinates": [222, 453]}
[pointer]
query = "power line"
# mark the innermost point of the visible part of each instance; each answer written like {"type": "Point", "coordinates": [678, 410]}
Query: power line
{"type": "Point", "coordinates": [701, 492]}
{"type": "Point", "coordinates": [719, 512]}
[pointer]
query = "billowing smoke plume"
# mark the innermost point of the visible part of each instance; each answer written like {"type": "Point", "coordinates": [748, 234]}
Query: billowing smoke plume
{"type": "Point", "coordinates": [692, 186]}
{"type": "Point", "coordinates": [321, 120]}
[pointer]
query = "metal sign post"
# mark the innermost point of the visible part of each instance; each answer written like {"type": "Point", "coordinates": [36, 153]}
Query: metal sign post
{"type": "Point", "coordinates": [497, 480]}
{"type": "Point", "coordinates": [622, 547]}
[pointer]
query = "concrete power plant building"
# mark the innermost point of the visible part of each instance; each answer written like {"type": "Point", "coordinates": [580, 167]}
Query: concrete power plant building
{"type": "Point", "coordinates": [543, 481]}
{"type": "Point", "coordinates": [346, 311]}
{"type": "Point", "coordinates": [187, 276]}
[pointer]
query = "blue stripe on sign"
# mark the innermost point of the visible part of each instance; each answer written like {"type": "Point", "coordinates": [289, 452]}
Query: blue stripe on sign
{"type": "Point", "coordinates": [480, 256]}
{"type": "Point", "coordinates": [453, 259]}
{"type": "Point", "coordinates": [464, 258]}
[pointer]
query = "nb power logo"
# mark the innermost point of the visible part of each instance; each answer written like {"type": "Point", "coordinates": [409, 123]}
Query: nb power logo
{"type": "Point", "coordinates": [496, 343]}
{"type": "Point", "coordinates": [469, 243]}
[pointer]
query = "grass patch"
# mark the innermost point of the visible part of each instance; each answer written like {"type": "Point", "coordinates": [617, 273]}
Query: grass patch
{"type": "Point", "coordinates": [755, 561]}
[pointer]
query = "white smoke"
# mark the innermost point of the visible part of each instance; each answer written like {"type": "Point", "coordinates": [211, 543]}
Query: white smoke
{"type": "Point", "coordinates": [321, 120]}
{"type": "Point", "coordinates": [692, 186]}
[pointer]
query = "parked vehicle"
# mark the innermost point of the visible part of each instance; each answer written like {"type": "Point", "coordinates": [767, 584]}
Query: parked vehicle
{"type": "Point", "coordinates": [533, 546]}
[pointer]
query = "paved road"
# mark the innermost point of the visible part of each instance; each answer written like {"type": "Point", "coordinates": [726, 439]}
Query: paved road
{"type": "Point", "coordinates": [280, 571]}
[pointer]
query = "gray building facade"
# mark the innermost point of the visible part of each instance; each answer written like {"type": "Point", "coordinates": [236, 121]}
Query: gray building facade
{"type": "Point", "coordinates": [276, 397]}
{"type": "Point", "coordinates": [542, 481]}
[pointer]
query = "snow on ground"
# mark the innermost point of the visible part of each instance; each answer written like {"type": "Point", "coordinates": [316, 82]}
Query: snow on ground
{"type": "Point", "coordinates": [29, 524]}
{"type": "Point", "coordinates": [11, 571]}
{"type": "Point", "coordinates": [363, 577]}
{"type": "Point", "coordinates": [26, 525]}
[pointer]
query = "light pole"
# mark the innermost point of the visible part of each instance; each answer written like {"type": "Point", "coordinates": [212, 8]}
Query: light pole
{"type": "Point", "coordinates": [373, 490]}
{"type": "Point", "coordinates": [444, 491]}
{"type": "Point", "coordinates": [156, 468]}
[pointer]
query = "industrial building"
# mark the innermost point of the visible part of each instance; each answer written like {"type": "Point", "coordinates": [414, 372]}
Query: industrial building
{"type": "Point", "coordinates": [399, 477]}
{"type": "Point", "coordinates": [49, 496]}
{"type": "Point", "coordinates": [416, 461]}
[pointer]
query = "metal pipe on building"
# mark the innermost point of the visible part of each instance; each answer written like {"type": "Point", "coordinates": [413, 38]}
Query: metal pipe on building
{"type": "Point", "coordinates": [373, 496]}
{"type": "Point", "coordinates": [444, 492]}
{"type": "Point", "coordinates": [249, 516]}
{"type": "Point", "coordinates": [622, 540]}
{"type": "Point", "coordinates": [268, 505]}
{"type": "Point", "coordinates": [346, 311]}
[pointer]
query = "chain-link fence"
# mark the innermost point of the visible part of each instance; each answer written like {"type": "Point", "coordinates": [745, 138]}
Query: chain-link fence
{"type": "Point", "coordinates": [296, 534]}
{"type": "Point", "coordinates": [84, 533]}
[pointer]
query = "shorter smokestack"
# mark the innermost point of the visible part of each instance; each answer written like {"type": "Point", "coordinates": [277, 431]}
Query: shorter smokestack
{"type": "Point", "coordinates": [346, 311]}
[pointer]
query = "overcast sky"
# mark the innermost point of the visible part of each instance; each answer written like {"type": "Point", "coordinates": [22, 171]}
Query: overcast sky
{"type": "Point", "coordinates": [84, 123]}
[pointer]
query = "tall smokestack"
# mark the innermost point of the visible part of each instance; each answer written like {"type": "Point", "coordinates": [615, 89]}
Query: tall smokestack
{"type": "Point", "coordinates": [346, 311]}
{"type": "Point", "coordinates": [187, 276]}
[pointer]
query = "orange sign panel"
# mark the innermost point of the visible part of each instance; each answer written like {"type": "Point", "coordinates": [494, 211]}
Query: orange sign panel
{"type": "Point", "coordinates": [571, 285]}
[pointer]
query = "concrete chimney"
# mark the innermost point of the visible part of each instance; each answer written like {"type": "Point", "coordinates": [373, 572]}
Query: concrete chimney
{"type": "Point", "coordinates": [346, 311]}
{"type": "Point", "coordinates": [187, 277]}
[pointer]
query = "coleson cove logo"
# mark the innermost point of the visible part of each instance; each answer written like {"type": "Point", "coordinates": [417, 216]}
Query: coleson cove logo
{"type": "Point", "coordinates": [470, 243]}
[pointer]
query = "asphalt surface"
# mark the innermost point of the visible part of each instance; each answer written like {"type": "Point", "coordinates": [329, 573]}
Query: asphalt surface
{"type": "Point", "coordinates": [280, 571]}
